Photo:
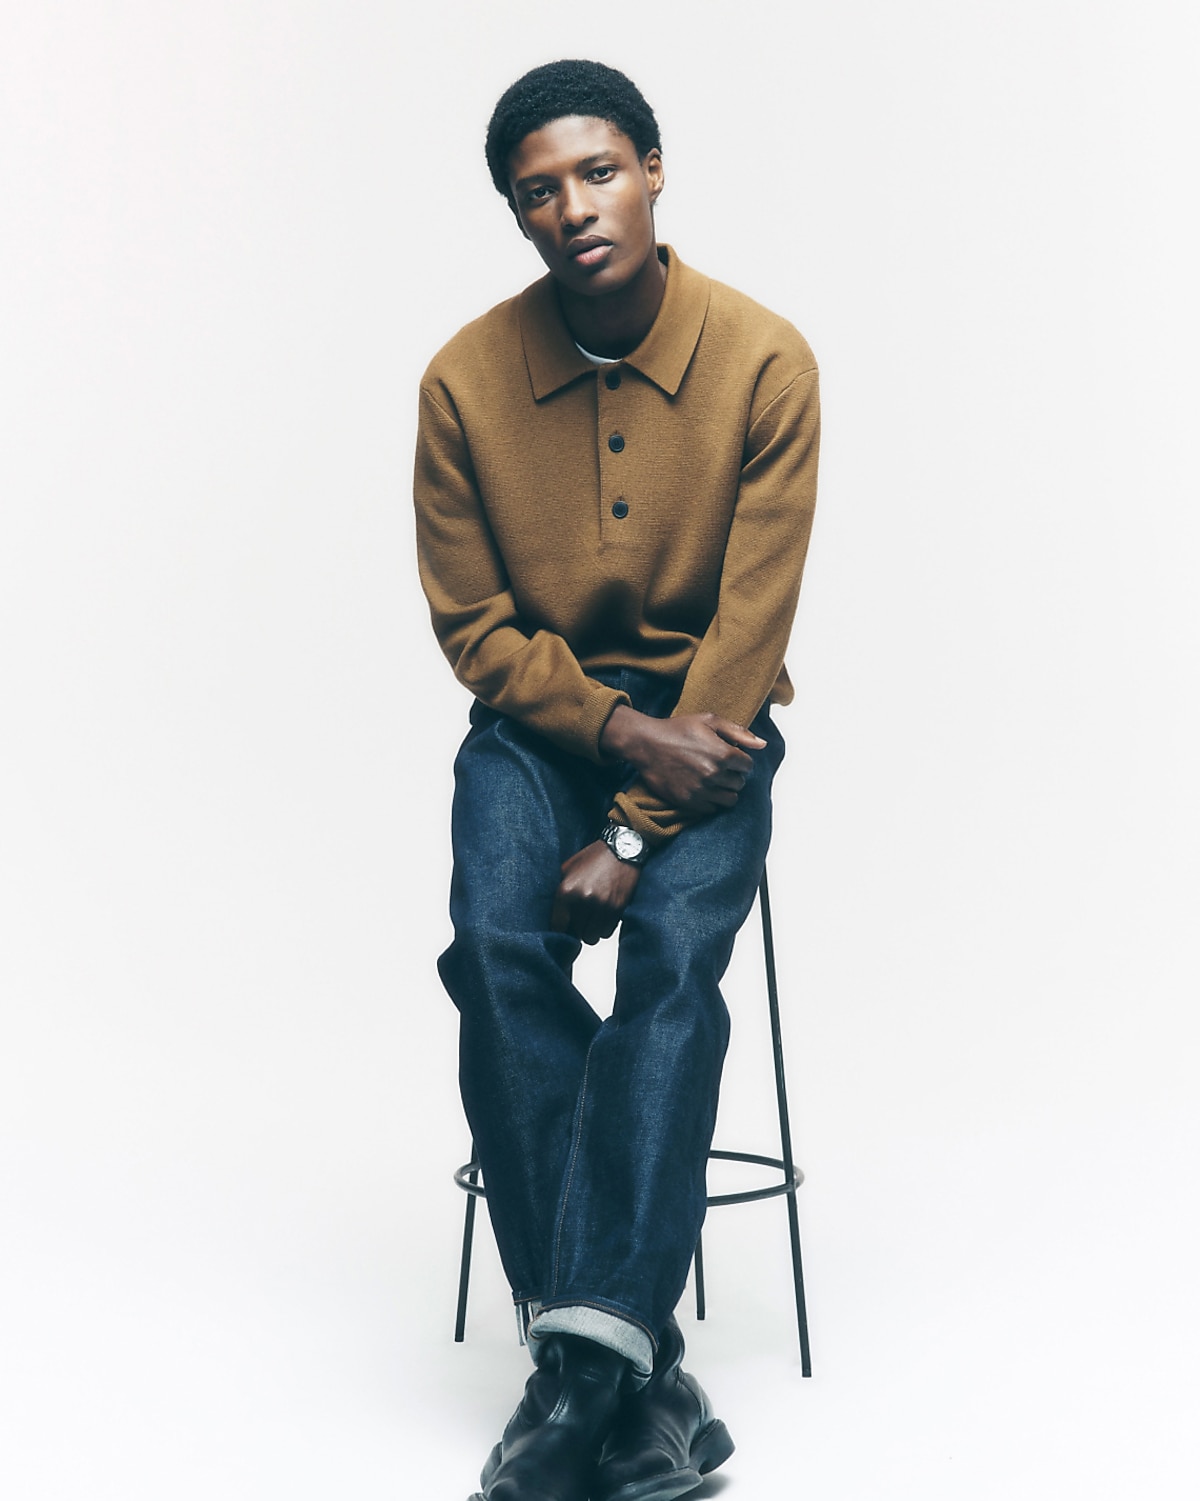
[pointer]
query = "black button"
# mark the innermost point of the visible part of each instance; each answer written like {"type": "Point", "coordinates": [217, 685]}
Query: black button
{"type": "Point", "coordinates": [612, 379]}
{"type": "Point", "coordinates": [620, 509]}
{"type": "Point", "coordinates": [616, 443]}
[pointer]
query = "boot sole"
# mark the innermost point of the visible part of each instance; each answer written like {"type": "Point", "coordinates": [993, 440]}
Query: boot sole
{"type": "Point", "coordinates": [712, 1448]}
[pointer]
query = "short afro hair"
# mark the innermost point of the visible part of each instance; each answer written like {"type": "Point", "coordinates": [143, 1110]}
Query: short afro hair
{"type": "Point", "coordinates": [572, 86]}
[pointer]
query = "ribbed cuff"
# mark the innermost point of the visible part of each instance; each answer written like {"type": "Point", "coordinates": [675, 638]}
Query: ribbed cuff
{"type": "Point", "coordinates": [657, 826]}
{"type": "Point", "coordinates": [597, 712]}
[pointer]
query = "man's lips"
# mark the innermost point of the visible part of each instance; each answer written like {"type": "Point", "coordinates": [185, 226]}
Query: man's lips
{"type": "Point", "coordinates": [586, 248]}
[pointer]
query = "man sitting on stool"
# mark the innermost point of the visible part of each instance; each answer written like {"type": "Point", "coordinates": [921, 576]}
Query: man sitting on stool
{"type": "Point", "coordinates": [615, 480]}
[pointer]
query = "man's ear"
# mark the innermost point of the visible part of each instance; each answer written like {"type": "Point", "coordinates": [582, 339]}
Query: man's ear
{"type": "Point", "coordinates": [652, 166]}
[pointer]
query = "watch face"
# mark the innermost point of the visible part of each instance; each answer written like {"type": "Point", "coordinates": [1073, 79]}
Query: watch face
{"type": "Point", "coordinates": [628, 844]}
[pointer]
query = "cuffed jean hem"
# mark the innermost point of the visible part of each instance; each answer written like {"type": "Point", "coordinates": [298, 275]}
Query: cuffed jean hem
{"type": "Point", "coordinates": [604, 1329]}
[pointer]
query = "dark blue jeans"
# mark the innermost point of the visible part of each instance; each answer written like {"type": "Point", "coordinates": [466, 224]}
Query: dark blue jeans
{"type": "Point", "coordinates": [593, 1137]}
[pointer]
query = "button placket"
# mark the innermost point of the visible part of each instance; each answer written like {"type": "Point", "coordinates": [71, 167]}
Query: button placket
{"type": "Point", "coordinates": [614, 442]}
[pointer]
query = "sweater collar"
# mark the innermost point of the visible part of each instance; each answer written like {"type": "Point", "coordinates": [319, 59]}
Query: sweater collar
{"type": "Point", "coordinates": [554, 360]}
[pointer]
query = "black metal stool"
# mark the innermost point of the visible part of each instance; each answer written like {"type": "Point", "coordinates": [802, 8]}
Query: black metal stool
{"type": "Point", "coordinates": [467, 1176]}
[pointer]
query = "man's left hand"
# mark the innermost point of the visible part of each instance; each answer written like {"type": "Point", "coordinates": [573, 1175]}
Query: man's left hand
{"type": "Point", "coordinates": [594, 891]}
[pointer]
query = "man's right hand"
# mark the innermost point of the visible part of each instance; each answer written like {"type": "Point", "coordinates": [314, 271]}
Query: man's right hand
{"type": "Point", "coordinates": [695, 762]}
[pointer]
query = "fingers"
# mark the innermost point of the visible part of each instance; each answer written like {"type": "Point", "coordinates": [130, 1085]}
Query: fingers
{"type": "Point", "coordinates": [568, 915]}
{"type": "Point", "coordinates": [736, 734]}
{"type": "Point", "coordinates": [705, 800]}
{"type": "Point", "coordinates": [588, 924]}
{"type": "Point", "coordinates": [728, 773]}
{"type": "Point", "coordinates": [718, 797]}
{"type": "Point", "coordinates": [560, 914]}
{"type": "Point", "coordinates": [602, 925]}
{"type": "Point", "coordinates": [592, 895]}
{"type": "Point", "coordinates": [736, 761]}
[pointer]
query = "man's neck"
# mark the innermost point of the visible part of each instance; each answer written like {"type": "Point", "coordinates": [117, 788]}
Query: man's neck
{"type": "Point", "coordinates": [615, 325]}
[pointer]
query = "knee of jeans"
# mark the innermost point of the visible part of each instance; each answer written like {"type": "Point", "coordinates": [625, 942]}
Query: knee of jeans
{"type": "Point", "coordinates": [486, 960]}
{"type": "Point", "coordinates": [699, 998]}
{"type": "Point", "coordinates": [678, 992]}
{"type": "Point", "coordinates": [682, 946]}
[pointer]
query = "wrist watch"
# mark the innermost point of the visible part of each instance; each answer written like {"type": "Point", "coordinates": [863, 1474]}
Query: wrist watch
{"type": "Point", "coordinates": [627, 844]}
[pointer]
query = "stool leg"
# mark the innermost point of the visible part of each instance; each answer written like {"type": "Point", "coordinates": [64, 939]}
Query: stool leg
{"type": "Point", "coordinates": [464, 1271]}
{"type": "Point", "coordinates": [701, 1306]}
{"type": "Point", "coordinates": [785, 1130]}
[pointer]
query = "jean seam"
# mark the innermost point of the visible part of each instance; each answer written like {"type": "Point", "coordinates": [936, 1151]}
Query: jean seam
{"type": "Point", "coordinates": [562, 1213]}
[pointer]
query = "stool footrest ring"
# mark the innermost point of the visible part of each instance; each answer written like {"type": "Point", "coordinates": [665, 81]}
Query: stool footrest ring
{"type": "Point", "coordinates": [789, 1185]}
{"type": "Point", "coordinates": [466, 1175]}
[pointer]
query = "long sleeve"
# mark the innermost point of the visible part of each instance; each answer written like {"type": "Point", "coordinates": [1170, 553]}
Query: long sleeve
{"type": "Point", "coordinates": [529, 674]}
{"type": "Point", "coordinates": [740, 657]}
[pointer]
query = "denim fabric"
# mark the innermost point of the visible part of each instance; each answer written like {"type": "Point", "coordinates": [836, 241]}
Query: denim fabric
{"type": "Point", "coordinates": [593, 1137]}
{"type": "Point", "coordinates": [607, 1329]}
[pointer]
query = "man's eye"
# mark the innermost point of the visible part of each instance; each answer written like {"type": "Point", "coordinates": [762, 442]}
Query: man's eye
{"type": "Point", "coordinates": [537, 195]}
{"type": "Point", "coordinates": [601, 174]}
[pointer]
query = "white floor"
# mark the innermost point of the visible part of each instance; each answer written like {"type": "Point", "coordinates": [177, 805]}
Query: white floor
{"type": "Point", "coordinates": [221, 1279]}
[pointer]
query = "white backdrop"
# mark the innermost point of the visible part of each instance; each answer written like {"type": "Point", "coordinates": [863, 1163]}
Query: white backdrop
{"type": "Point", "coordinates": [233, 234]}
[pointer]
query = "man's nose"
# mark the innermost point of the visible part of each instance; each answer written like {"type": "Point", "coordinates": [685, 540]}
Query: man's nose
{"type": "Point", "coordinates": [576, 205]}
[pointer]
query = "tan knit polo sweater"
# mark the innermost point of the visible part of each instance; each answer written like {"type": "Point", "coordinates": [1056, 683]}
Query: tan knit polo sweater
{"type": "Point", "coordinates": [654, 513]}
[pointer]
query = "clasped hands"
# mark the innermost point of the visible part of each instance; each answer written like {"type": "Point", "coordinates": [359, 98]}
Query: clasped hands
{"type": "Point", "coordinates": [697, 763]}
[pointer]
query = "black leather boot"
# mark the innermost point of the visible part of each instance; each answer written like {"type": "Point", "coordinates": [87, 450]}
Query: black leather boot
{"type": "Point", "coordinates": [553, 1440]}
{"type": "Point", "coordinates": [665, 1439]}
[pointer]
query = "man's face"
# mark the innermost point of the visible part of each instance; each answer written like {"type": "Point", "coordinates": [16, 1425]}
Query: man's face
{"type": "Point", "coordinates": [585, 201]}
